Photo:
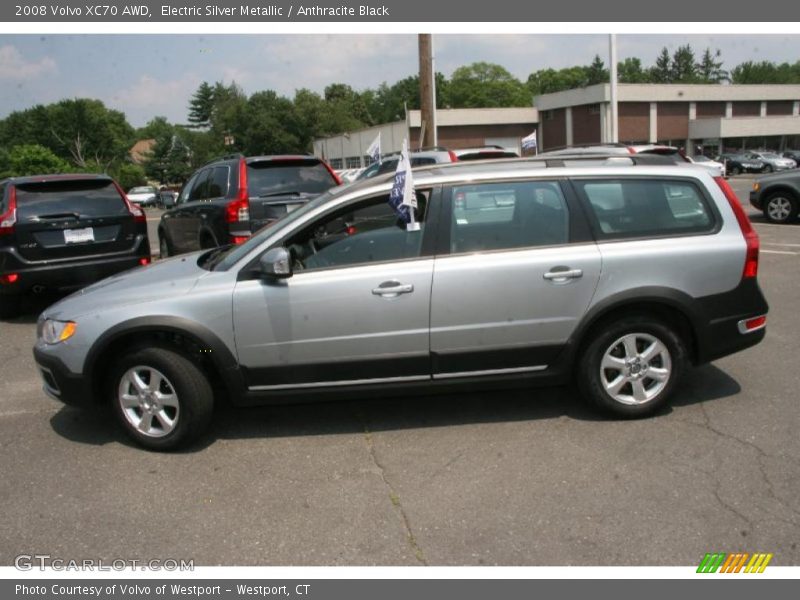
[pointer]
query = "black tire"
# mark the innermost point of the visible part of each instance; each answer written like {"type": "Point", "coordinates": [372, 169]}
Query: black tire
{"type": "Point", "coordinates": [780, 207]}
{"type": "Point", "coordinates": [164, 249]}
{"type": "Point", "coordinates": [190, 404]}
{"type": "Point", "coordinates": [736, 171]}
{"type": "Point", "coordinates": [592, 381]}
{"type": "Point", "coordinates": [768, 169]}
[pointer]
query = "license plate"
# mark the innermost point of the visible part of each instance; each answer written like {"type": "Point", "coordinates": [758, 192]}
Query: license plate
{"type": "Point", "coordinates": [76, 236]}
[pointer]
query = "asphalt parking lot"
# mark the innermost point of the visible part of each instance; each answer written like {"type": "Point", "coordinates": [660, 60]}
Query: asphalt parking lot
{"type": "Point", "coordinates": [530, 477]}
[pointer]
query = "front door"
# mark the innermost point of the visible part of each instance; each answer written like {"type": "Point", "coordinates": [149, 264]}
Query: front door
{"type": "Point", "coordinates": [355, 311]}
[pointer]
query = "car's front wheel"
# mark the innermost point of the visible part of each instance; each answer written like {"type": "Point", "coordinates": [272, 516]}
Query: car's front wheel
{"type": "Point", "coordinates": [780, 208]}
{"type": "Point", "coordinates": [161, 398]}
{"type": "Point", "coordinates": [736, 171]}
{"type": "Point", "coordinates": [163, 246]}
{"type": "Point", "coordinates": [630, 367]}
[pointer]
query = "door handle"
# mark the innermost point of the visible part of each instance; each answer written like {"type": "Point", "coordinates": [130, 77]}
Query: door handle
{"type": "Point", "coordinates": [391, 289]}
{"type": "Point", "coordinates": [563, 275]}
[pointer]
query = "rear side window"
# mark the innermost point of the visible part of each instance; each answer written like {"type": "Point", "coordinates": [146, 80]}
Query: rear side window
{"type": "Point", "coordinates": [93, 198]}
{"type": "Point", "coordinates": [635, 208]}
{"type": "Point", "coordinates": [273, 178]}
{"type": "Point", "coordinates": [498, 216]}
{"type": "Point", "coordinates": [218, 183]}
{"type": "Point", "coordinates": [200, 188]}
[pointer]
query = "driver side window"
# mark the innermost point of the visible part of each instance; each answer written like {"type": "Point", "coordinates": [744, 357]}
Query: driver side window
{"type": "Point", "coordinates": [364, 233]}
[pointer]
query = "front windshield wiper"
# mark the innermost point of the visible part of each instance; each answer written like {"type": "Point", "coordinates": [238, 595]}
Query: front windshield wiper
{"type": "Point", "coordinates": [213, 258]}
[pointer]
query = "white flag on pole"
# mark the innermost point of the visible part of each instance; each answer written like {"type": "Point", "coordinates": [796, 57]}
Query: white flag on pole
{"type": "Point", "coordinates": [529, 141]}
{"type": "Point", "coordinates": [374, 149]}
{"type": "Point", "coordinates": [402, 198]}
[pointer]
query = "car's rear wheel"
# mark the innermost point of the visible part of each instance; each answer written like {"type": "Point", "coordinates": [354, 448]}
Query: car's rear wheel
{"type": "Point", "coordinates": [164, 250]}
{"type": "Point", "coordinates": [161, 398]}
{"type": "Point", "coordinates": [780, 208]}
{"type": "Point", "coordinates": [736, 171]}
{"type": "Point", "coordinates": [768, 169]}
{"type": "Point", "coordinates": [631, 366]}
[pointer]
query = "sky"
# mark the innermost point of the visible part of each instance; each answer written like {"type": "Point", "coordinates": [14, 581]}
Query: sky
{"type": "Point", "coordinates": [148, 75]}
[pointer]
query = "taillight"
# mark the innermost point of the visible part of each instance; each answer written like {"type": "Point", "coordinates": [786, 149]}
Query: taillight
{"type": "Point", "coordinates": [754, 324]}
{"type": "Point", "coordinates": [453, 157]}
{"type": "Point", "coordinates": [239, 209]}
{"type": "Point", "coordinates": [9, 278]}
{"type": "Point", "coordinates": [134, 209]}
{"type": "Point", "coordinates": [750, 235]}
{"type": "Point", "coordinates": [239, 239]}
{"type": "Point", "coordinates": [144, 261]}
{"type": "Point", "coordinates": [631, 150]}
{"type": "Point", "coordinates": [9, 218]}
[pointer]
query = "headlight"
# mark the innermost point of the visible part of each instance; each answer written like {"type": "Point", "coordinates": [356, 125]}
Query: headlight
{"type": "Point", "coordinates": [54, 332]}
{"type": "Point", "coordinates": [756, 186]}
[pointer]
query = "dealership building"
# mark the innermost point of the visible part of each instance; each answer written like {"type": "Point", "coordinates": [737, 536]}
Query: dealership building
{"type": "Point", "coordinates": [707, 118]}
{"type": "Point", "coordinates": [710, 117]}
{"type": "Point", "coordinates": [457, 128]}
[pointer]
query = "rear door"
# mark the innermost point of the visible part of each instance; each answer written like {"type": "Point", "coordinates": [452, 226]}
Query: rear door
{"type": "Point", "coordinates": [72, 218]}
{"type": "Point", "coordinates": [277, 186]}
{"type": "Point", "coordinates": [185, 219]}
{"type": "Point", "coordinates": [517, 272]}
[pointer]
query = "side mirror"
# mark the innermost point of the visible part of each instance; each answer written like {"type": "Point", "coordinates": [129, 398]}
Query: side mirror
{"type": "Point", "coordinates": [276, 263]}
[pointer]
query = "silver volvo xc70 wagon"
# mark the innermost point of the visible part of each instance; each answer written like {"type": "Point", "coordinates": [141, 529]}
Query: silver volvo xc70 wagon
{"type": "Point", "coordinates": [615, 272]}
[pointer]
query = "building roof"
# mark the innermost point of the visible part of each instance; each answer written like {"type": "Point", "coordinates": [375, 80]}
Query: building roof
{"type": "Point", "coordinates": [140, 150]}
{"type": "Point", "coordinates": [668, 92]}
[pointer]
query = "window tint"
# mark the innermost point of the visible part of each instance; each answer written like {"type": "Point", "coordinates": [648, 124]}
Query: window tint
{"type": "Point", "coordinates": [500, 216]}
{"type": "Point", "coordinates": [186, 189]}
{"type": "Point", "coordinates": [631, 208]}
{"type": "Point", "coordinates": [271, 178]}
{"type": "Point", "coordinates": [218, 183]}
{"type": "Point", "coordinates": [200, 188]}
{"type": "Point", "coordinates": [87, 198]}
{"type": "Point", "coordinates": [365, 233]}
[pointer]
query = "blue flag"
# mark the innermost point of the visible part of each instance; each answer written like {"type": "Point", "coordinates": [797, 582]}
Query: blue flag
{"type": "Point", "coordinates": [402, 197]}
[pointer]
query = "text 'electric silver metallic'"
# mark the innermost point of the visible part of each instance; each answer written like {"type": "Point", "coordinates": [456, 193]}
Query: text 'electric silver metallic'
{"type": "Point", "coordinates": [617, 272]}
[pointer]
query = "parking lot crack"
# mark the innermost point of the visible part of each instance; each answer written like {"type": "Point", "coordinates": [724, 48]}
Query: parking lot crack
{"type": "Point", "coordinates": [761, 456]}
{"type": "Point", "coordinates": [394, 498]}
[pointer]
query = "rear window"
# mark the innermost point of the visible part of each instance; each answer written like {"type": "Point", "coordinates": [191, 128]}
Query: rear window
{"type": "Point", "coordinates": [94, 198]}
{"type": "Point", "coordinates": [270, 178]}
{"type": "Point", "coordinates": [486, 155]}
{"type": "Point", "coordinates": [634, 208]}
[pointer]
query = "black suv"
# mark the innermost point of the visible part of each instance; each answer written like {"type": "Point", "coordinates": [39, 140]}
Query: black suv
{"type": "Point", "coordinates": [63, 232]}
{"type": "Point", "coordinates": [229, 199]}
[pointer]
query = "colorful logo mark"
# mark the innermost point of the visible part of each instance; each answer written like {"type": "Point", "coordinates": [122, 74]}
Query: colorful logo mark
{"type": "Point", "coordinates": [734, 563]}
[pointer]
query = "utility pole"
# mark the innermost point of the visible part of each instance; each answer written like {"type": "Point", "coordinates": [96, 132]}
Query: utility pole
{"type": "Point", "coordinates": [612, 57]}
{"type": "Point", "coordinates": [427, 106]}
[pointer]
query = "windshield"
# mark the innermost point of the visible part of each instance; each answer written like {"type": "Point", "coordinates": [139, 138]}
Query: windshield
{"type": "Point", "coordinates": [142, 190]}
{"type": "Point", "coordinates": [231, 255]}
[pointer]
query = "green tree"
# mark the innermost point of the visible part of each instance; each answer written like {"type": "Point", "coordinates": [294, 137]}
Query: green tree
{"type": "Point", "coordinates": [31, 159]}
{"type": "Point", "coordinates": [596, 72]}
{"type": "Point", "coordinates": [683, 68]}
{"type": "Point", "coordinates": [710, 70]}
{"type": "Point", "coordinates": [129, 175]}
{"type": "Point", "coordinates": [486, 85]}
{"type": "Point", "coordinates": [201, 106]}
{"type": "Point", "coordinates": [548, 81]}
{"type": "Point", "coordinates": [630, 71]}
{"type": "Point", "coordinates": [661, 72]}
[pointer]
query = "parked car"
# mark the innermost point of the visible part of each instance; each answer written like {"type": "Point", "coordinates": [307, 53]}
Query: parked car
{"type": "Point", "coordinates": [62, 232]}
{"type": "Point", "coordinates": [340, 299]}
{"type": "Point", "coordinates": [793, 155]}
{"type": "Point", "coordinates": [167, 198]}
{"type": "Point", "coordinates": [778, 196]}
{"type": "Point", "coordinates": [772, 162]}
{"type": "Point", "coordinates": [484, 153]}
{"type": "Point", "coordinates": [717, 169]}
{"type": "Point", "coordinates": [144, 195]}
{"type": "Point", "coordinates": [736, 164]}
{"type": "Point", "coordinates": [229, 199]}
{"type": "Point", "coordinates": [418, 158]}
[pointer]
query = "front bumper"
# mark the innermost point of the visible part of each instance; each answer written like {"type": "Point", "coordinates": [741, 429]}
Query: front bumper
{"type": "Point", "coordinates": [755, 200]}
{"type": "Point", "coordinates": [60, 383]}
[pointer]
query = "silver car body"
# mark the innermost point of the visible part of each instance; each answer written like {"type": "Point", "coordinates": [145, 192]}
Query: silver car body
{"type": "Point", "coordinates": [282, 334]}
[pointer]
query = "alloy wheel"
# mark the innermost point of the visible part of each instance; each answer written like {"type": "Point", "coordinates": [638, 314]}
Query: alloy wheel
{"type": "Point", "coordinates": [635, 369]}
{"type": "Point", "coordinates": [148, 401]}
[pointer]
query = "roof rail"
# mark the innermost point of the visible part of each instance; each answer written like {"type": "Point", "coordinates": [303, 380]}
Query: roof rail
{"type": "Point", "coordinates": [225, 157]}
